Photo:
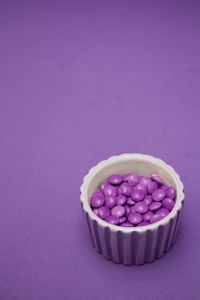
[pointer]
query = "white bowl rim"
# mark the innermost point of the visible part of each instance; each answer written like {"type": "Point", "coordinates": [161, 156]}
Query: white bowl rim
{"type": "Point", "coordinates": [136, 156]}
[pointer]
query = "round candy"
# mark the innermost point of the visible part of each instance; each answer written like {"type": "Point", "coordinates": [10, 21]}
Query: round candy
{"type": "Point", "coordinates": [168, 203]}
{"type": "Point", "coordinates": [110, 201]}
{"type": "Point", "coordinates": [132, 209]}
{"type": "Point", "coordinates": [110, 190]}
{"type": "Point", "coordinates": [132, 178]}
{"type": "Point", "coordinates": [119, 190]}
{"type": "Point", "coordinates": [96, 200]}
{"type": "Point", "coordinates": [125, 177]}
{"type": "Point", "coordinates": [148, 200]}
{"type": "Point", "coordinates": [163, 187]}
{"type": "Point", "coordinates": [141, 207]}
{"type": "Point", "coordinates": [154, 205]}
{"type": "Point", "coordinates": [152, 187]}
{"type": "Point", "coordinates": [145, 181]}
{"type": "Point", "coordinates": [155, 177]}
{"type": "Point", "coordinates": [121, 199]}
{"type": "Point", "coordinates": [162, 212]}
{"type": "Point", "coordinates": [115, 179]}
{"type": "Point", "coordinates": [143, 223]}
{"type": "Point", "coordinates": [126, 224]}
{"type": "Point", "coordinates": [103, 185]}
{"type": "Point", "coordinates": [126, 189]}
{"type": "Point", "coordinates": [135, 218]}
{"type": "Point", "coordinates": [130, 201]}
{"type": "Point", "coordinates": [158, 195]}
{"type": "Point", "coordinates": [122, 220]}
{"type": "Point", "coordinates": [103, 212]}
{"type": "Point", "coordinates": [98, 193]}
{"type": "Point", "coordinates": [112, 219]}
{"type": "Point", "coordinates": [170, 192]}
{"type": "Point", "coordinates": [155, 218]}
{"type": "Point", "coordinates": [118, 211]}
{"type": "Point", "coordinates": [95, 210]}
{"type": "Point", "coordinates": [141, 187]}
{"type": "Point", "coordinates": [138, 195]}
{"type": "Point", "coordinates": [146, 217]}
{"type": "Point", "coordinates": [127, 210]}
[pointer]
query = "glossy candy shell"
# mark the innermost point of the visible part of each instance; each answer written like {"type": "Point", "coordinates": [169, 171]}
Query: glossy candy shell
{"type": "Point", "coordinates": [133, 245]}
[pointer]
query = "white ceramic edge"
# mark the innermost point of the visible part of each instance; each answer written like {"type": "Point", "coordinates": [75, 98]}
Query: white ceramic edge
{"type": "Point", "coordinates": [94, 170]}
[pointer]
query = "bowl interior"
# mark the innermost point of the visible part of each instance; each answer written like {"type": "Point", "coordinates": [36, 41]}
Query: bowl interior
{"type": "Point", "coordinates": [142, 166]}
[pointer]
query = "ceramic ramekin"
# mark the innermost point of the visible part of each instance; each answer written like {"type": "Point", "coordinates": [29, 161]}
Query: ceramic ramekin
{"type": "Point", "coordinates": [132, 245]}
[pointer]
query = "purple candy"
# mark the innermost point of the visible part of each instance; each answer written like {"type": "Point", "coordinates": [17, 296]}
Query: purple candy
{"type": "Point", "coordinates": [138, 195]}
{"type": "Point", "coordinates": [130, 201]}
{"type": "Point", "coordinates": [132, 178]}
{"type": "Point", "coordinates": [152, 187]}
{"type": "Point", "coordinates": [126, 189]}
{"type": "Point", "coordinates": [110, 201]}
{"type": "Point", "coordinates": [126, 224]}
{"type": "Point", "coordinates": [96, 200]}
{"type": "Point", "coordinates": [163, 187]}
{"type": "Point", "coordinates": [127, 210]}
{"type": "Point", "coordinates": [155, 218]}
{"type": "Point", "coordinates": [132, 210]}
{"type": "Point", "coordinates": [168, 203]}
{"type": "Point", "coordinates": [144, 181]}
{"type": "Point", "coordinates": [115, 179]}
{"type": "Point", "coordinates": [110, 190]}
{"type": "Point", "coordinates": [146, 217]}
{"type": "Point", "coordinates": [141, 207]}
{"type": "Point", "coordinates": [96, 211]}
{"type": "Point", "coordinates": [143, 223]}
{"type": "Point", "coordinates": [170, 192]}
{"type": "Point", "coordinates": [103, 185]}
{"type": "Point", "coordinates": [155, 177]}
{"type": "Point", "coordinates": [118, 211]}
{"type": "Point", "coordinates": [122, 220]}
{"type": "Point", "coordinates": [112, 219]}
{"type": "Point", "coordinates": [163, 212]}
{"type": "Point", "coordinates": [125, 177]}
{"type": "Point", "coordinates": [98, 193]}
{"type": "Point", "coordinates": [135, 218]}
{"type": "Point", "coordinates": [121, 199]}
{"type": "Point", "coordinates": [148, 200]}
{"type": "Point", "coordinates": [154, 205]}
{"type": "Point", "coordinates": [141, 187]}
{"type": "Point", "coordinates": [103, 212]}
{"type": "Point", "coordinates": [119, 190]}
{"type": "Point", "coordinates": [158, 195]}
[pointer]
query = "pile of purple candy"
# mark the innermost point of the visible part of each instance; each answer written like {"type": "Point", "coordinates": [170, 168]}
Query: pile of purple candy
{"type": "Point", "coordinates": [132, 200]}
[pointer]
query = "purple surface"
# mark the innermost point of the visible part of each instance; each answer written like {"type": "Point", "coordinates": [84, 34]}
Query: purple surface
{"type": "Point", "coordinates": [79, 82]}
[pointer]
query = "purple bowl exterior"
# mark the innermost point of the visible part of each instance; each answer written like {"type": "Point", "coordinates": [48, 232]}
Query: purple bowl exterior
{"type": "Point", "coordinates": [134, 248]}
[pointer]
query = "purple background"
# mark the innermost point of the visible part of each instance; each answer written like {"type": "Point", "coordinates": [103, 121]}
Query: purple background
{"type": "Point", "coordinates": [79, 82]}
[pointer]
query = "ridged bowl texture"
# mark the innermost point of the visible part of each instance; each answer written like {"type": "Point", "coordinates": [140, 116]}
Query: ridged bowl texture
{"type": "Point", "coordinates": [132, 245]}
